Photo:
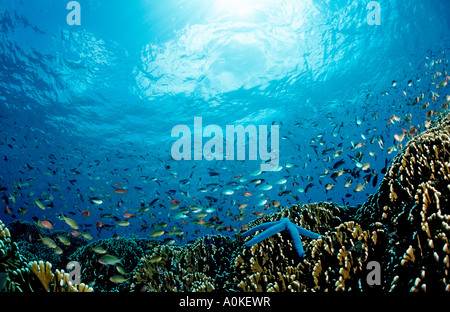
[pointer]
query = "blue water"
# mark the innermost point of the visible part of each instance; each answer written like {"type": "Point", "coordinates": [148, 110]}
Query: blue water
{"type": "Point", "coordinates": [86, 109]}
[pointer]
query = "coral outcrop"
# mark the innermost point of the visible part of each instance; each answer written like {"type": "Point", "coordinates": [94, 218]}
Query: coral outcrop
{"type": "Point", "coordinates": [55, 282]}
{"type": "Point", "coordinates": [13, 266]}
{"type": "Point", "coordinates": [200, 266]}
{"type": "Point", "coordinates": [28, 238]}
{"type": "Point", "coordinates": [273, 265]}
{"type": "Point", "coordinates": [403, 228]}
{"type": "Point", "coordinates": [93, 272]}
{"type": "Point", "coordinates": [412, 205]}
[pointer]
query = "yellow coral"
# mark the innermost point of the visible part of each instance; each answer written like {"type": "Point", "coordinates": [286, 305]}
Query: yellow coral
{"type": "Point", "coordinates": [43, 272]}
{"type": "Point", "coordinates": [59, 281]}
{"type": "Point", "coordinates": [63, 285]}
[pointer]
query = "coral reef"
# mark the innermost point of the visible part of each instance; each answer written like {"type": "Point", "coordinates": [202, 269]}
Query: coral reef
{"type": "Point", "coordinates": [94, 273]}
{"type": "Point", "coordinates": [199, 266]}
{"type": "Point", "coordinates": [412, 205]}
{"type": "Point", "coordinates": [274, 227]}
{"type": "Point", "coordinates": [28, 238]}
{"type": "Point", "coordinates": [12, 264]}
{"type": "Point", "coordinates": [335, 261]}
{"type": "Point", "coordinates": [404, 228]}
{"type": "Point", "coordinates": [55, 282]}
{"type": "Point", "coordinates": [23, 276]}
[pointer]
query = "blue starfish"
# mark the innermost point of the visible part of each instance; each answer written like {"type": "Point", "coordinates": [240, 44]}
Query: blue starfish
{"type": "Point", "coordinates": [276, 227]}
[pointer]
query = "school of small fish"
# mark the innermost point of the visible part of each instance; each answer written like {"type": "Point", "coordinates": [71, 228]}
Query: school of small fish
{"type": "Point", "coordinates": [324, 159]}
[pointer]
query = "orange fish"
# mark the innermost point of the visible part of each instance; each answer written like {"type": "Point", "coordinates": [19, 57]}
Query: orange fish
{"type": "Point", "coordinates": [393, 118]}
{"type": "Point", "coordinates": [128, 215]}
{"type": "Point", "coordinates": [399, 138]}
{"type": "Point", "coordinates": [47, 224]}
{"type": "Point", "coordinates": [174, 201]}
{"type": "Point", "coordinates": [247, 194]}
{"type": "Point", "coordinates": [99, 224]}
{"type": "Point", "coordinates": [75, 233]}
{"type": "Point", "coordinates": [120, 191]}
{"type": "Point", "coordinates": [435, 96]}
{"type": "Point", "coordinates": [85, 213]}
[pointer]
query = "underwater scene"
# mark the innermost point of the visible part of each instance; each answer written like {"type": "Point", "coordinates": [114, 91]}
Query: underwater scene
{"type": "Point", "coordinates": [224, 146]}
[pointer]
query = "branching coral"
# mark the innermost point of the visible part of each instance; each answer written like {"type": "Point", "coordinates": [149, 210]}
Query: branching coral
{"type": "Point", "coordinates": [156, 270]}
{"type": "Point", "coordinates": [199, 266]}
{"type": "Point", "coordinates": [405, 227]}
{"type": "Point", "coordinates": [127, 250]}
{"type": "Point", "coordinates": [412, 204]}
{"type": "Point", "coordinates": [43, 272]}
{"type": "Point", "coordinates": [22, 276]}
{"type": "Point", "coordinates": [339, 258]}
{"type": "Point", "coordinates": [335, 261]}
{"type": "Point", "coordinates": [29, 241]}
{"type": "Point", "coordinates": [12, 264]}
{"type": "Point", "coordinates": [55, 282]}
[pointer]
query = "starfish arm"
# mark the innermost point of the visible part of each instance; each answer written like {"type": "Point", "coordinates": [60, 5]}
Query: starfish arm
{"type": "Point", "coordinates": [296, 239]}
{"type": "Point", "coordinates": [306, 233]}
{"type": "Point", "coordinates": [266, 234]}
{"type": "Point", "coordinates": [259, 228]}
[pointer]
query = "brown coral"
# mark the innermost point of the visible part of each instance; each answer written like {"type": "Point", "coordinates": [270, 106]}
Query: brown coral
{"type": "Point", "coordinates": [273, 265]}
{"type": "Point", "coordinates": [339, 258]}
{"type": "Point", "coordinates": [55, 282]}
{"type": "Point", "coordinates": [43, 272]}
{"type": "Point", "coordinates": [404, 227]}
{"type": "Point", "coordinates": [334, 262]}
{"type": "Point", "coordinates": [412, 204]}
{"type": "Point", "coordinates": [12, 264]}
{"type": "Point", "coordinates": [29, 277]}
{"type": "Point", "coordinates": [155, 270]}
{"type": "Point", "coordinates": [198, 266]}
